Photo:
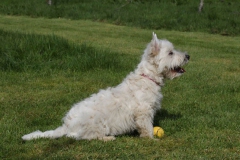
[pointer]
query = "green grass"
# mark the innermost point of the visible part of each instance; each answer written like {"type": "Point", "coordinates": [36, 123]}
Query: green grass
{"type": "Point", "coordinates": [44, 70]}
{"type": "Point", "coordinates": [25, 52]}
{"type": "Point", "coordinates": [218, 17]}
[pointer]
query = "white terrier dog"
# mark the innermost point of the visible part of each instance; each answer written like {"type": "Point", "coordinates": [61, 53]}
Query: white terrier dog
{"type": "Point", "coordinates": [129, 106]}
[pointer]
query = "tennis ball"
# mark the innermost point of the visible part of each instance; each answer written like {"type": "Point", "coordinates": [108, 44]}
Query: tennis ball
{"type": "Point", "coordinates": [158, 131]}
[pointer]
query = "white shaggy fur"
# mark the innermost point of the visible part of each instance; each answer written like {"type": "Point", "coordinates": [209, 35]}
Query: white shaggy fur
{"type": "Point", "coordinates": [129, 106]}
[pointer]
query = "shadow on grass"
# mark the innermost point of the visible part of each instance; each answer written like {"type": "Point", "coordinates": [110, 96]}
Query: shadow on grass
{"type": "Point", "coordinates": [160, 115]}
{"type": "Point", "coordinates": [164, 114]}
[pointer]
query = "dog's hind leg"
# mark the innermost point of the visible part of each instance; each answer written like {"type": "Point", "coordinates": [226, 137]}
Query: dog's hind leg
{"type": "Point", "coordinates": [59, 132]}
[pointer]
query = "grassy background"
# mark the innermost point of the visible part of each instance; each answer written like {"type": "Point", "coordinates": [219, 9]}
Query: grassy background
{"type": "Point", "coordinates": [47, 65]}
{"type": "Point", "coordinates": [30, 52]}
{"type": "Point", "coordinates": [218, 16]}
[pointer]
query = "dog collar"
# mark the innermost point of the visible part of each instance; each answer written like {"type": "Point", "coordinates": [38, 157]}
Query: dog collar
{"type": "Point", "coordinates": [144, 75]}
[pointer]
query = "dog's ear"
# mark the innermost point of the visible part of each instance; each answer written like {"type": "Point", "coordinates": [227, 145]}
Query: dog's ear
{"type": "Point", "coordinates": [155, 47]}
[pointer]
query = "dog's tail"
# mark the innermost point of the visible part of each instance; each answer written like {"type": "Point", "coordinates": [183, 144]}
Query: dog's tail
{"type": "Point", "coordinates": [59, 132]}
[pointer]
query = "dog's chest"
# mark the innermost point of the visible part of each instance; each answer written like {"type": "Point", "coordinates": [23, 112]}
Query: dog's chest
{"type": "Point", "coordinates": [145, 95]}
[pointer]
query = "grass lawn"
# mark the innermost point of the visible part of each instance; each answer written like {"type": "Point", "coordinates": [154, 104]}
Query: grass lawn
{"type": "Point", "coordinates": [217, 17]}
{"type": "Point", "coordinates": [47, 65]}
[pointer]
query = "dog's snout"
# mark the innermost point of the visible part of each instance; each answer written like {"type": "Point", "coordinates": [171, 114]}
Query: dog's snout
{"type": "Point", "coordinates": [187, 56]}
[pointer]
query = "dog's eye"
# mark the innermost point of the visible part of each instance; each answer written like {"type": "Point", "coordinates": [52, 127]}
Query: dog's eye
{"type": "Point", "coordinates": [170, 53]}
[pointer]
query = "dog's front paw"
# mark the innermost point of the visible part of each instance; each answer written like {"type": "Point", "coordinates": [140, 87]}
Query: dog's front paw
{"type": "Point", "coordinates": [145, 135]}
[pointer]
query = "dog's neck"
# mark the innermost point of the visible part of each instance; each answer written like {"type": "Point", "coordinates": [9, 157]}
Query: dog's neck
{"type": "Point", "coordinates": [157, 83]}
{"type": "Point", "coordinates": [150, 73]}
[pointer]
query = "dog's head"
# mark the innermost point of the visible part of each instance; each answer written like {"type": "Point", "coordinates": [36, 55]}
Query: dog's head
{"type": "Point", "coordinates": [166, 60]}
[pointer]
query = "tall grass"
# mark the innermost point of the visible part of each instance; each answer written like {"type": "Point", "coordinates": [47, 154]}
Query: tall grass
{"type": "Point", "coordinates": [218, 17]}
{"type": "Point", "coordinates": [23, 52]}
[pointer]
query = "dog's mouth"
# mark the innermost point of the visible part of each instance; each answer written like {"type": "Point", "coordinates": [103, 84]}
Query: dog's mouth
{"type": "Point", "coordinates": [178, 69]}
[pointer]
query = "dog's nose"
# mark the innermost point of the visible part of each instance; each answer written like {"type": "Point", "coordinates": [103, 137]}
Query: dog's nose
{"type": "Point", "coordinates": [187, 56]}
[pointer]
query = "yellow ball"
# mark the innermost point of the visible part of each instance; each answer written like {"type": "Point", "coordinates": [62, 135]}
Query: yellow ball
{"type": "Point", "coordinates": [158, 131]}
